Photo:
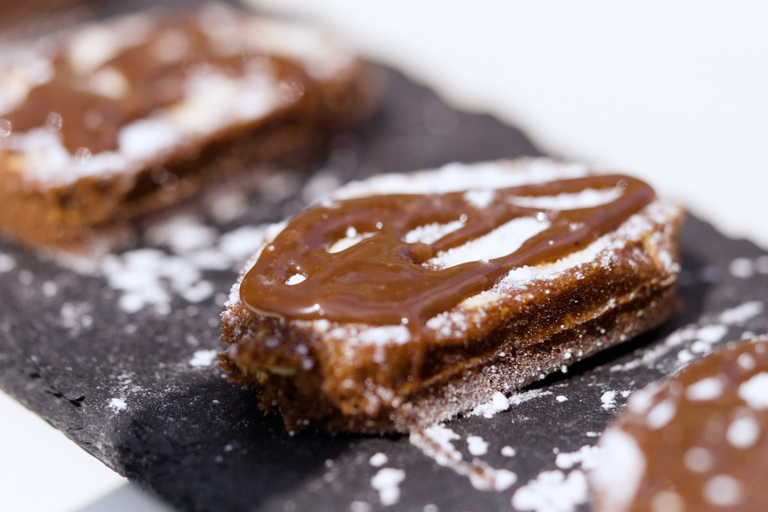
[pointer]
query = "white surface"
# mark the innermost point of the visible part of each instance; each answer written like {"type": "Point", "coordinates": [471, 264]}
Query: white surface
{"type": "Point", "coordinates": [672, 91]}
{"type": "Point", "coordinates": [40, 469]}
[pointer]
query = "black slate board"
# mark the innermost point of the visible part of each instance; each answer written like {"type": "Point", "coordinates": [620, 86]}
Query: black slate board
{"type": "Point", "coordinates": [67, 350]}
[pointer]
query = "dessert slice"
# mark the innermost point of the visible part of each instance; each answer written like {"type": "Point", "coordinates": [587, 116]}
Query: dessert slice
{"type": "Point", "coordinates": [697, 441]}
{"type": "Point", "coordinates": [408, 299]}
{"type": "Point", "coordinates": [124, 117]}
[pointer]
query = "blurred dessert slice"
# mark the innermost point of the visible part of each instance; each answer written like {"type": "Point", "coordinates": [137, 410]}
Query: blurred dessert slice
{"type": "Point", "coordinates": [116, 119]}
{"type": "Point", "coordinates": [697, 441]}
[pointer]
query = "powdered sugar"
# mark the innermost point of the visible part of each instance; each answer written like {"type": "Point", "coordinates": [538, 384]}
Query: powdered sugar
{"type": "Point", "coordinates": [552, 491]}
{"type": "Point", "coordinates": [431, 233]}
{"type": "Point", "coordinates": [117, 404]}
{"type": "Point", "coordinates": [723, 491]}
{"type": "Point", "coordinates": [477, 445]}
{"type": "Point", "coordinates": [203, 358]}
{"type": "Point", "coordinates": [378, 460]}
{"type": "Point", "coordinates": [620, 470]}
{"type": "Point", "coordinates": [508, 451]}
{"type": "Point", "coordinates": [742, 313]}
{"type": "Point", "coordinates": [742, 268]}
{"type": "Point", "coordinates": [755, 391]}
{"type": "Point", "coordinates": [502, 241]}
{"type": "Point", "coordinates": [151, 276]}
{"type": "Point", "coordinates": [7, 263]}
{"type": "Point", "coordinates": [498, 403]}
{"type": "Point", "coordinates": [76, 316]}
{"type": "Point", "coordinates": [146, 138]}
{"type": "Point", "coordinates": [479, 198]}
{"type": "Point", "coordinates": [435, 442]}
{"type": "Point", "coordinates": [660, 415]}
{"type": "Point", "coordinates": [458, 177]}
{"type": "Point", "coordinates": [608, 399]}
{"type": "Point", "coordinates": [705, 389]}
{"type": "Point", "coordinates": [140, 275]}
{"type": "Point", "coordinates": [183, 234]}
{"type": "Point", "coordinates": [587, 456]}
{"type": "Point", "coordinates": [743, 432]}
{"type": "Point", "coordinates": [587, 198]}
{"type": "Point", "coordinates": [212, 101]}
{"type": "Point", "coordinates": [387, 483]}
{"type": "Point", "coordinates": [694, 339]}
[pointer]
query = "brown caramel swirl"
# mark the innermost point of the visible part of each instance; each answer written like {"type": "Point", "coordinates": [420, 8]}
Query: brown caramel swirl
{"type": "Point", "coordinates": [143, 79]}
{"type": "Point", "coordinates": [383, 280]}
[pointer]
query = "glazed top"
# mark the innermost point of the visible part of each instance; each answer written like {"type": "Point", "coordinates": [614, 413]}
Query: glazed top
{"type": "Point", "coordinates": [124, 95]}
{"type": "Point", "coordinates": [697, 441]}
{"type": "Point", "coordinates": [353, 260]}
{"type": "Point", "coordinates": [90, 108]}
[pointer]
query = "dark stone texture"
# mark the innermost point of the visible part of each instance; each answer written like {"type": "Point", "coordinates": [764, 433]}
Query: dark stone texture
{"type": "Point", "coordinates": [202, 444]}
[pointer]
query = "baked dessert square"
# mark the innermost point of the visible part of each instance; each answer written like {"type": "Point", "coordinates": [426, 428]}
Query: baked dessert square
{"type": "Point", "coordinates": [119, 118]}
{"type": "Point", "coordinates": [407, 299]}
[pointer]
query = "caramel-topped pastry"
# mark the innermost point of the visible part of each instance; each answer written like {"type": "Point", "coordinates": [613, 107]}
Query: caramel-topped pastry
{"type": "Point", "coordinates": [385, 280]}
{"type": "Point", "coordinates": [696, 442]}
{"type": "Point", "coordinates": [388, 304]}
{"type": "Point", "coordinates": [116, 119]}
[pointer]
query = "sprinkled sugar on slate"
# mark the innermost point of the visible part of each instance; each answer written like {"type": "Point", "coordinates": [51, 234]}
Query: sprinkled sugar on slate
{"type": "Point", "coordinates": [130, 377]}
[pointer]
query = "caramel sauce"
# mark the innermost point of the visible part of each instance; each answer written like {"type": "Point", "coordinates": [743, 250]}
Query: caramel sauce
{"type": "Point", "coordinates": [704, 424]}
{"type": "Point", "coordinates": [144, 79]}
{"type": "Point", "coordinates": [382, 280]}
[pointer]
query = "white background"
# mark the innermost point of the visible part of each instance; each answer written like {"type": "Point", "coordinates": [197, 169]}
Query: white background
{"type": "Point", "coordinates": [673, 91]}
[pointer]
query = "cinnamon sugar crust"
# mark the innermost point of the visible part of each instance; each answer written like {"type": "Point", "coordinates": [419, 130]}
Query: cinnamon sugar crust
{"type": "Point", "coordinates": [536, 320]}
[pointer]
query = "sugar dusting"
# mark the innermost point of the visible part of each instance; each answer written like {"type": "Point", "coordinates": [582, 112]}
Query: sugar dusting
{"type": "Point", "coordinates": [436, 443]}
{"type": "Point", "coordinates": [212, 102]}
{"type": "Point", "coordinates": [117, 404]}
{"type": "Point", "coordinates": [493, 175]}
{"type": "Point", "coordinates": [7, 263]}
{"type": "Point", "coordinates": [499, 402]}
{"type": "Point", "coordinates": [587, 198]}
{"type": "Point", "coordinates": [608, 399]}
{"type": "Point", "coordinates": [378, 459]}
{"type": "Point", "coordinates": [743, 432]}
{"type": "Point", "coordinates": [755, 391]}
{"type": "Point", "coordinates": [705, 389]}
{"type": "Point", "coordinates": [184, 250]}
{"type": "Point", "coordinates": [620, 470]}
{"type": "Point", "coordinates": [692, 340]}
{"type": "Point", "coordinates": [742, 313]}
{"type": "Point", "coordinates": [587, 456]}
{"type": "Point", "coordinates": [477, 446]}
{"type": "Point", "coordinates": [508, 451]}
{"type": "Point", "coordinates": [431, 233]}
{"type": "Point", "coordinates": [203, 358]}
{"type": "Point", "coordinates": [724, 491]}
{"type": "Point", "coordinates": [552, 491]}
{"type": "Point", "coordinates": [502, 241]}
{"type": "Point", "coordinates": [387, 483]}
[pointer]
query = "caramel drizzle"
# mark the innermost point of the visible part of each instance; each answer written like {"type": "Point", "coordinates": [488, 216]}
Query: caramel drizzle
{"type": "Point", "coordinates": [384, 281]}
{"type": "Point", "coordinates": [93, 121]}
